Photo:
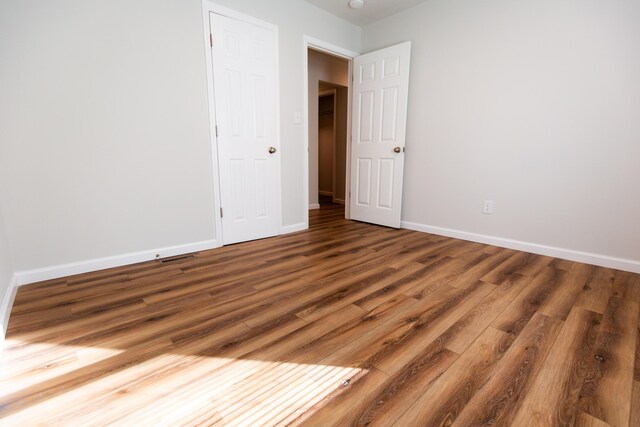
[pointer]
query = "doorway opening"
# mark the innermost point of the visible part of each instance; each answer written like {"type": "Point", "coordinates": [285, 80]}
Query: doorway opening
{"type": "Point", "coordinates": [332, 143]}
{"type": "Point", "coordinates": [328, 85]}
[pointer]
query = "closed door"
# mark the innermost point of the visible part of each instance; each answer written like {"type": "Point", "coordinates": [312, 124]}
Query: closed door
{"type": "Point", "coordinates": [244, 74]}
{"type": "Point", "coordinates": [380, 93]}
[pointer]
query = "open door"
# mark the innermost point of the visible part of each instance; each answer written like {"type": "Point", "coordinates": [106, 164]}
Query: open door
{"type": "Point", "coordinates": [380, 93]}
{"type": "Point", "coordinates": [245, 81]}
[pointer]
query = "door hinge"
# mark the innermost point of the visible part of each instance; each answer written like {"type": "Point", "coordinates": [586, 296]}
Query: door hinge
{"type": "Point", "coordinates": [216, 130]}
{"type": "Point", "coordinates": [221, 213]}
{"type": "Point", "coordinates": [211, 39]}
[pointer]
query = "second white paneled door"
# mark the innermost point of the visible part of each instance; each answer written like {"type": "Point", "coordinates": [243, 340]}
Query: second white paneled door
{"type": "Point", "coordinates": [380, 93]}
{"type": "Point", "coordinates": [244, 59]}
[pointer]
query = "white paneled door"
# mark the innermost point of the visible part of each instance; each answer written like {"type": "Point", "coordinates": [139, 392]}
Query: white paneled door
{"type": "Point", "coordinates": [245, 82]}
{"type": "Point", "coordinates": [380, 92]}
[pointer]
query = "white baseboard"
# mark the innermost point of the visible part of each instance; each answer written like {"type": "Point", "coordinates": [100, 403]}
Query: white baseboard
{"type": "Point", "coordinates": [293, 228]}
{"type": "Point", "coordinates": [5, 309]}
{"type": "Point", "coordinates": [64, 270]}
{"type": "Point", "coordinates": [569, 254]}
{"type": "Point", "coordinates": [338, 201]}
{"type": "Point", "coordinates": [313, 206]}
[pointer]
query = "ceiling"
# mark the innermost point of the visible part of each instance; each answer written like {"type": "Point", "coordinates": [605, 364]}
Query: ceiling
{"type": "Point", "coordinates": [373, 10]}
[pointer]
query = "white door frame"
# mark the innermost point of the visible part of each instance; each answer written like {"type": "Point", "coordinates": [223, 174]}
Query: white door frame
{"type": "Point", "coordinates": [331, 49]}
{"type": "Point", "coordinates": [208, 6]}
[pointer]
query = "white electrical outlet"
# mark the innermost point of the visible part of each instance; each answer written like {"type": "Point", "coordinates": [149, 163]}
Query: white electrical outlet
{"type": "Point", "coordinates": [487, 207]}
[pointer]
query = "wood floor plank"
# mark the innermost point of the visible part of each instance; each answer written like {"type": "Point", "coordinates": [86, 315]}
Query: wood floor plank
{"type": "Point", "coordinates": [324, 347]}
{"type": "Point", "coordinates": [355, 292]}
{"type": "Point", "coordinates": [586, 420]}
{"type": "Point", "coordinates": [607, 390]}
{"type": "Point", "coordinates": [533, 265]}
{"type": "Point", "coordinates": [527, 303]}
{"type": "Point", "coordinates": [564, 296]}
{"type": "Point", "coordinates": [384, 407]}
{"type": "Point", "coordinates": [470, 393]}
{"type": "Point", "coordinates": [597, 290]}
{"type": "Point", "coordinates": [508, 267]}
{"type": "Point", "coordinates": [313, 298]}
{"type": "Point", "coordinates": [441, 403]}
{"type": "Point", "coordinates": [481, 268]}
{"type": "Point", "coordinates": [634, 419]}
{"type": "Point", "coordinates": [426, 251]}
{"type": "Point", "coordinates": [228, 347]}
{"type": "Point", "coordinates": [403, 285]}
{"type": "Point", "coordinates": [346, 323]}
{"type": "Point", "coordinates": [606, 393]}
{"type": "Point", "coordinates": [444, 276]}
{"type": "Point", "coordinates": [561, 264]}
{"type": "Point", "coordinates": [501, 396]}
{"type": "Point", "coordinates": [554, 395]}
{"type": "Point", "coordinates": [474, 322]}
{"type": "Point", "coordinates": [363, 350]}
{"type": "Point", "coordinates": [44, 395]}
{"type": "Point", "coordinates": [350, 399]}
{"type": "Point", "coordinates": [424, 328]}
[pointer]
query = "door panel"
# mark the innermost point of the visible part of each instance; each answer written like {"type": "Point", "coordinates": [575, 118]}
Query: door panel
{"type": "Point", "coordinates": [244, 75]}
{"type": "Point", "coordinates": [389, 113]}
{"type": "Point", "coordinates": [381, 89]}
{"type": "Point", "coordinates": [385, 183]}
{"type": "Point", "coordinates": [365, 117]}
{"type": "Point", "coordinates": [363, 193]}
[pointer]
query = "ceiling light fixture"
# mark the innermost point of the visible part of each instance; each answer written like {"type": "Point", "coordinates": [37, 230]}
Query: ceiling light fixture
{"type": "Point", "coordinates": [356, 4]}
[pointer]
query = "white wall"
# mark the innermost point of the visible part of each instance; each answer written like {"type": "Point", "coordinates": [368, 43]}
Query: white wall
{"type": "Point", "coordinates": [532, 104]}
{"type": "Point", "coordinates": [6, 276]}
{"type": "Point", "coordinates": [328, 69]}
{"type": "Point", "coordinates": [104, 122]}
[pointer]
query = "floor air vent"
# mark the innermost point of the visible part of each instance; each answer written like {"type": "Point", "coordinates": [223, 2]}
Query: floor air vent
{"type": "Point", "coordinates": [174, 259]}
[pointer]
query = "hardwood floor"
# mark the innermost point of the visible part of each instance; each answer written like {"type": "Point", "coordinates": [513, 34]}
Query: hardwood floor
{"type": "Point", "coordinates": [344, 324]}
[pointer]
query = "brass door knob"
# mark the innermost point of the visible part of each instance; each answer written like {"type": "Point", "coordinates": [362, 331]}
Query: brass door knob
{"type": "Point", "coordinates": [272, 150]}
{"type": "Point", "coordinates": [397, 149]}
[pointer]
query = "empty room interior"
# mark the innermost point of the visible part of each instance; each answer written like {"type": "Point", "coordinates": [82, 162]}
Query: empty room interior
{"type": "Point", "coordinates": [320, 212]}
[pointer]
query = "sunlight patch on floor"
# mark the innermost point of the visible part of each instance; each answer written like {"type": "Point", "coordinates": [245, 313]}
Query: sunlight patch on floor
{"type": "Point", "coordinates": [22, 366]}
{"type": "Point", "coordinates": [172, 389]}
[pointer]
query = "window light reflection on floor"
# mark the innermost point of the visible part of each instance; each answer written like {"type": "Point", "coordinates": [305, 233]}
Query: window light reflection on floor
{"type": "Point", "coordinates": [171, 389]}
